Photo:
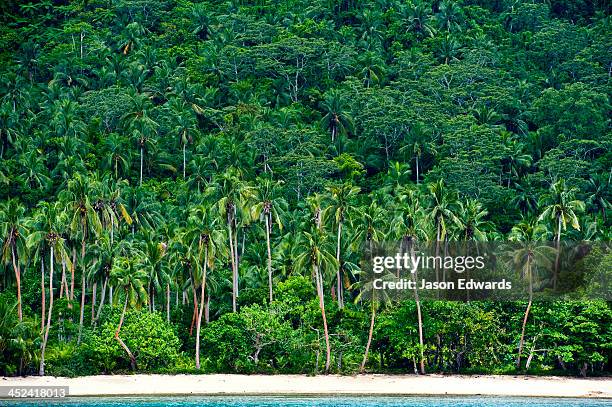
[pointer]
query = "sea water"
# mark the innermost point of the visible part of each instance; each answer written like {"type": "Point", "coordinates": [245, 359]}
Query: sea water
{"type": "Point", "coordinates": [243, 401]}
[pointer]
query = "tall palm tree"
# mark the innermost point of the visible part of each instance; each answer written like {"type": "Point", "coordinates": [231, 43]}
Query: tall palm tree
{"type": "Point", "coordinates": [269, 206]}
{"type": "Point", "coordinates": [336, 117]}
{"type": "Point", "coordinates": [527, 256]}
{"type": "Point", "coordinates": [84, 222]}
{"type": "Point", "coordinates": [231, 191]}
{"type": "Point", "coordinates": [341, 206]}
{"type": "Point", "coordinates": [208, 237]}
{"type": "Point", "coordinates": [442, 211]}
{"type": "Point", "coordinates": [129, 277]}
{"type": "Point", "coordinates": [315, 252]}
{"type": "Point", "coordinates": [140, 125]}
{"type": "Point", "coordinates": [409, 228]}
{"type": "Point", "coordinates": [13, 232]}
{"type": "Point", "coordinates": [183, 119]}
{"type": "Point", "coordinates": [562, 208]}
{"type": "Point", "coordinates": [50, 219]}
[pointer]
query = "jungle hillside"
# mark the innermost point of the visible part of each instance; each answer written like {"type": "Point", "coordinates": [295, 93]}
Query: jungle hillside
{"type": "Point", "coordinates": [187, 186]}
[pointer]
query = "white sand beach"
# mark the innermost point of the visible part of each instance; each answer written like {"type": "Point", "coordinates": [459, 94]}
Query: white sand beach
{"type": "Point", "coordinates": [323, 385]}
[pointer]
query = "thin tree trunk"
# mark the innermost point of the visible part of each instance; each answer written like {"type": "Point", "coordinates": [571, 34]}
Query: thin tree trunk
{"type": "Point", "coordinates": [141, 162]}
{"type": "Point", "coordinates": [184, 160]}
{"type": "Point", "coordinates": [269, 255]}
{"type": "Point", "coordinates": [123, 345]}
{"type": "Point", "coordinates": [41, 370]}
{"type": "Point", "coordinates": [43, 299]}
{"type": "Point", "coordinates": [322, 307]}
{"type": "Point", "coordinates": [370, 333]}
{"type": "Point", "coordinates": [233, 263]}
{"type": "Point", "coordinates": [167, 302]}
{"type": "Point", "coordinates": [339, 281]}
{"type": "Point", "coordinates": [82, 307]}
{"type": "Point", "coordinates": [419, 316]}
{"type": "Point", "coordinates": [556, 273]}
{"type": "Point", "coordinates": [522, 341]}
{"type": "Point", "coordinates": [202, 293]}
{"type": "Point", "coordinates": [93, 301]}
{"type": "Point", "coordinates": [72, 275]}
{"type": "Point", "coordinates": [18, 280]}
{"type": "Point", "coordinates": [102, 299]}
{"type": "Point", "coordinates": [417, 169]}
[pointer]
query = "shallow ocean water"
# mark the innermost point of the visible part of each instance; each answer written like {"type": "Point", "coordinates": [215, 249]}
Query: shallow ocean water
{"type": "Point", "coordinates": [341, 401]}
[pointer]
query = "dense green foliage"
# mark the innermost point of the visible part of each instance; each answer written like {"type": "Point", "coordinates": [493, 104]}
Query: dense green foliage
{"type": "Point", "coordinates": [191, 182]}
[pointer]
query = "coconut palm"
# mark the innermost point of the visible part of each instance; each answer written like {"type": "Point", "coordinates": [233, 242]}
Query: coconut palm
{"type": "Point", "coordinates": [315, 252]}
{"type": "Point", "coordinates": [129, 277]}
{"type": "Point", "coordinates": [528, 256]}
{"type": "Point", "coordinates": [49, 221]}
{"type": "Point", "coordinates": [269, 206]}
{"type": "Point", "coordinates": [84, 221]}
{"type": "Point", "coordinates": [340, 208]}
{"type": "Point", "coordinates": [230, 191]}
{"type": "Point", "coordinates": [561, 207]}
{"type": "Point", "coordinates": [336, 117]}
{"type": "Point", "coordinates": [183, 119]}
{"type": "Point", "coordinates": [208, 237]}
{"type": "Point", "coordinates": [409, 228]}
{"type": "Point", "coordinates": [13, 233]}
{"type": "Point", "coordinates": [441, 212]}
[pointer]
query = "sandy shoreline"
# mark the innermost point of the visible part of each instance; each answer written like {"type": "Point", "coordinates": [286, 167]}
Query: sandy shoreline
{"type": "Point", "coordinates": [323, 385]}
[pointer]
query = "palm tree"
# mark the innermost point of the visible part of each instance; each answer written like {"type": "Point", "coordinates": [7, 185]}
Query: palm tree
{"type": "Point", "coordinates": [336, 118]}
{"type": "Point", "coordinates": [269, 206]}
{"type": "Point", "coordinates": [184, 125]}
{"type": "Point", "coordinates": [367, 289]}
{"type": "Point", "coordinates": [231, 190]}
{"type": "Point", "coordinates": [153, 262]}
{"type": "Point", "coordinates": [140, 125]}
{"type": "Point", "coordinates": [341, 206]}
{"type": "Point", "coordinates": [128, 276]}
{"type": "Point", "coordinates": [561, 207]}
{"type": "Point", "coordinates": [315, 252]}
{"type": "Point", "coordinates": [208, 238]}
{"type": "Point", "coordinates": [418, 19]}
{"type": "Point", "coordinates": [599, 195]}
{"type": "Point", "coordinates": [13, 232]}
{"type": "Point", "coordinates": [408, 227]}
{"type": "Point", "coordinates": [527, 257]}
{"type": "Point", "coordinates": [117, 154]}
{"type": "Point", "coordinates": [49, 220]}
{"type": "Point", "coordinates": [84, 221]}
{"type": "Point", "coordinates": [441, 212]}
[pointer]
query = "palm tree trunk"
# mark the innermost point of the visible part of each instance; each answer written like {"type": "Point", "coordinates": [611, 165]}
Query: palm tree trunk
{"type": "Point", "coordinates": [184, 159]}
{"type": "Point", "coordinates": [41, 370]}
{"type": "Point", "coordinates": [82, 307]}
{"type": "Point", "coordinates": [522, 340]}
{"type": "Point", "coordinates": [43, 300]}
{"type": "Point", "coordinates": [417, 169]}
{"type": "Point", "coordinates": [123, 345]}
{"type": "Point", "coordinates": [93, 300]}
{"type": "Point", "coordinates": [233, 263]}
{"type": "Point", "coordinates": [269, 255]}
{"type": "Point", "coordinates": [72, 275]}
{"type": "Point", "coordinates": [167, 302]}
{"type": "Point", "coordinates": [419, 317]}
{"type": "Point", "coordinates": [202, 293]}
{"type": "Point", "coordinates": [141, 162]}
{"type": "Point", "coordinates": [339, 281]}
{"type": "Point", "coordinates": [370, 333]}
{"type": "Point", "coordinates": [556, 273]}
{"type": "Point", "coordinates": [18, 280]}
{"type": "Point", "coordinates": [322, 307]}
{"type": "Point", "coordinates": [102, 299]}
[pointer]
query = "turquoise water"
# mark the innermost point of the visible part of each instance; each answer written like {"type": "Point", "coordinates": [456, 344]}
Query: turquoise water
{"type": "Point", "coordinates": [311, 402]}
